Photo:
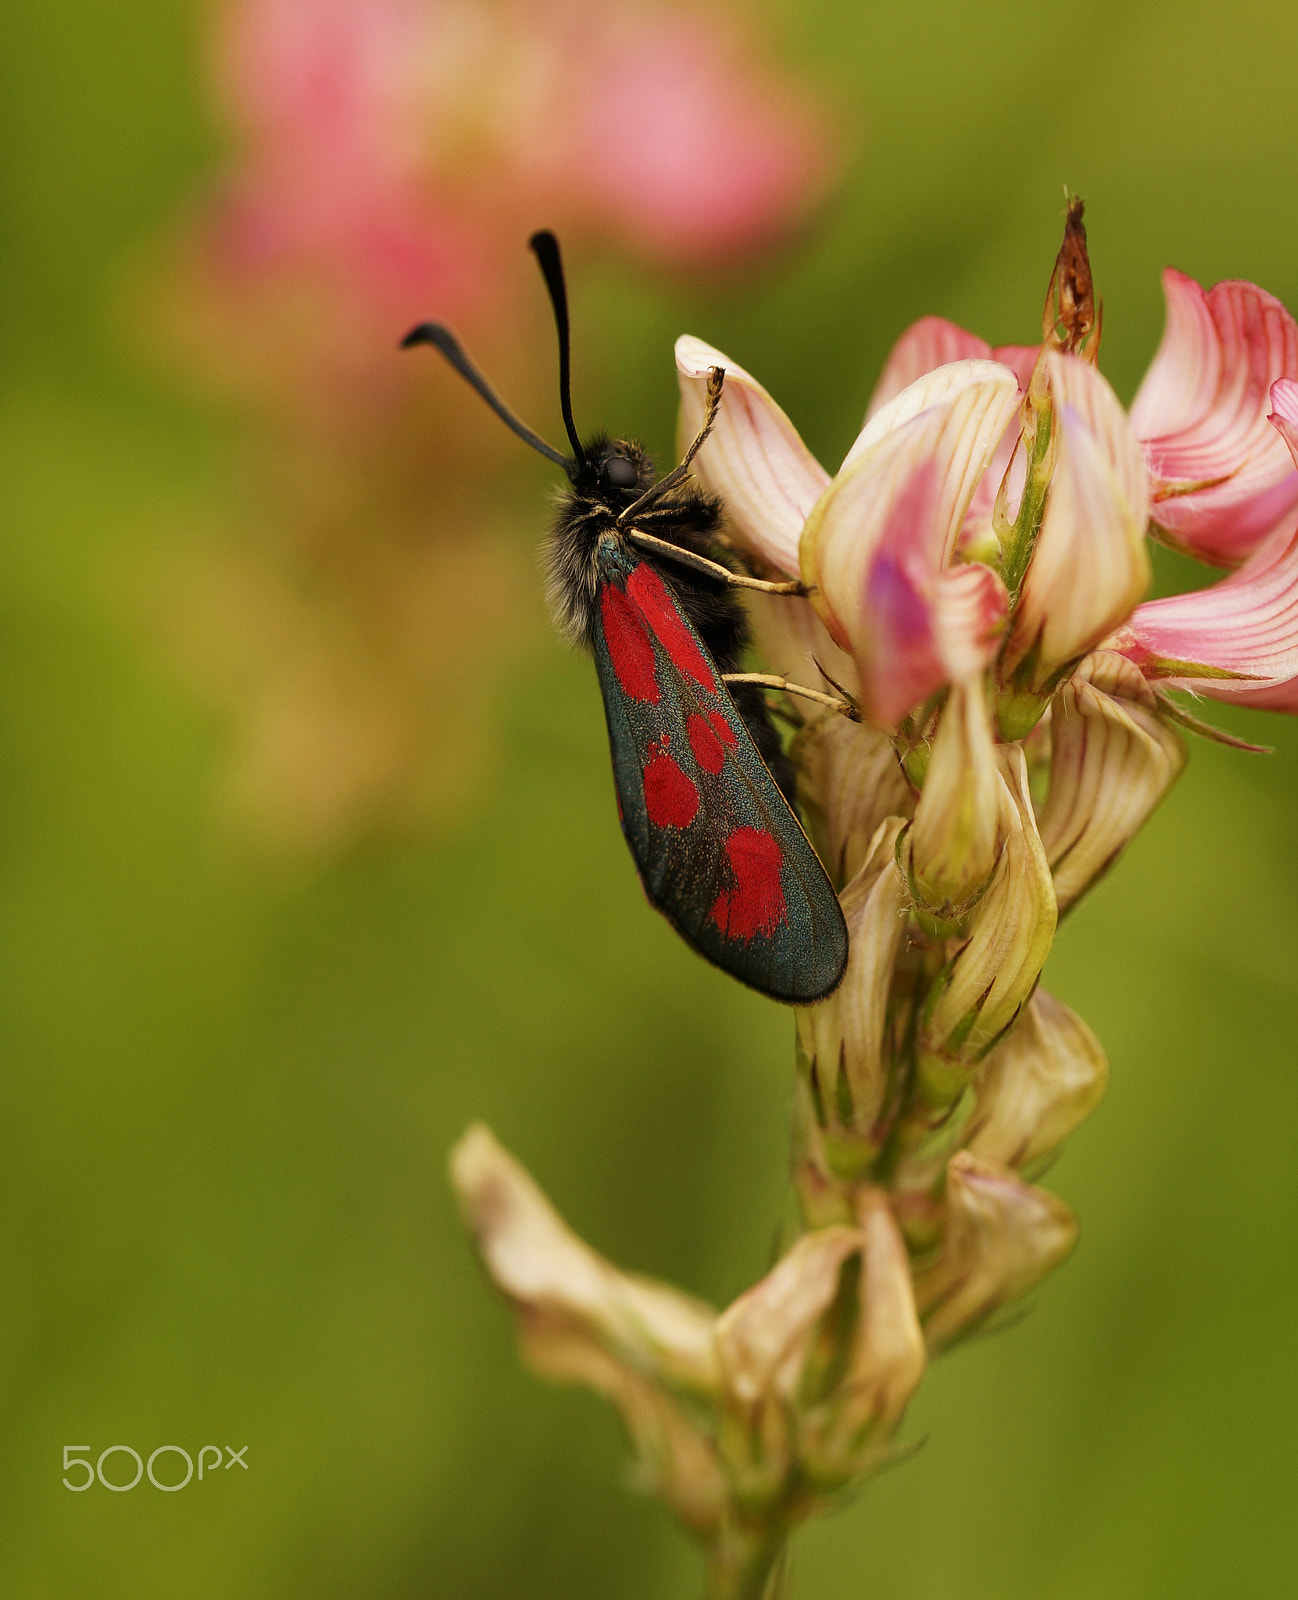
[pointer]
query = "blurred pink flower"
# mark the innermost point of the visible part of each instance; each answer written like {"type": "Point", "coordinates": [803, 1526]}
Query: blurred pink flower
{"type": "Point", "coordinates": [401, 145]}
{"type": "Point", "coordinates": [387, 160]}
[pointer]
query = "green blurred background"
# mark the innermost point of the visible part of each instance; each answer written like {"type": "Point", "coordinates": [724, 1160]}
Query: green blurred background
{"type": "Point", "coordinates": [228, 1092]}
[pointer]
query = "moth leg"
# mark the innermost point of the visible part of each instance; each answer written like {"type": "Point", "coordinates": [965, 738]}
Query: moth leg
{"type": "Point", "coordinates": [714, 569]}
{"type": "Point", "coordinates": [844, 705]}
{"type": "Point", "coordinates": [716, 378]}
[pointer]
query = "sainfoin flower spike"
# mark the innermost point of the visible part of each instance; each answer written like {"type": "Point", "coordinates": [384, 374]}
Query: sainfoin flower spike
{"type": "Point", "coordinates": [972, 583]}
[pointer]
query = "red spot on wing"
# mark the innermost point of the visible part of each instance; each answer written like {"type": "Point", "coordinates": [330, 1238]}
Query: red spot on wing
{"type": "Point", "coordinates": [669, 627]}
{"type": "Point", "coordinates": [756, 903]}
{"type": "Point", "coordinates": [722, 728]}
{"type": "Point", "coordinates": [630, 648]}
{"type": "Point", "coordinates": [708, 750]}
{"type": "Point", "coordinates": [670, 798]}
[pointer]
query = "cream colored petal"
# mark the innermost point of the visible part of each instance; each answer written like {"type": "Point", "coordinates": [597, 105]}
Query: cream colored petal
{"type": "Point", "coordinates": [1010, 936]}
{"type": "Point", "coordinates": [843, 1036]}
{"type": "Point", "coordinates": [1112, 760]}
{"type": "Point", "coordinates": [940, 389]}
{"type": "Point", "coordinates": [763, 1338]}
{"type": "Point", "coordinates": [754, 459]}
{"type": "Point", "coordinates": [849, 780]}
{"type": "Point", "coordinates": [1090, 565]}
{"type": "Point", "coordinates": [1002, 1237]}
{"type": "Point", "coordinates": [951, 850]}
{"type": "Point", "coordinates": [544, 1269]}
{"type": "Point", "coordinates": [1038, 1084]}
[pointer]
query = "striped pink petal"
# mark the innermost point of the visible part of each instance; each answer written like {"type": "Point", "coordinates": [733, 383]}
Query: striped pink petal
{"type": "Point", "coordinates": [877, 545]}
{"type": "Point", "coordinates": [934, 342]}
{"type": "Point", "coordinates": [1246, 624]}
{"type": "Point", "coordinates": [754, 458]}
{"type": "Point", "coordinates": [1090, 565]}
{"type": "Point", "coordinates": [1222, 480]}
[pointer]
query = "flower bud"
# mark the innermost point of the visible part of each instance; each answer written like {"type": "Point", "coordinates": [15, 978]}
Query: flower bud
{"type": "Point", "coordinates": [849, 780]}
{"type": "Point", "coordinates": [950, 850]}
{"type": "Point", "coordinates": [764, 1340]}
{"type": "Point", "coordinates": [1112, 760]}
{"type": "Point", "coordinates": [1071, 318]}
{"type": "Point", "coordinates": [843, 1037]}
{"type": "Point", "coordinates": [848, 1431]}
{"type": "Point", "coordinates": [981, 990]}
{"type": "Point", "coordinates": [1002, 1236]}
{"type": "Point", "coordinates": [1089, 565]}
{"type": "Point", "coordinates": [1045, 1077]}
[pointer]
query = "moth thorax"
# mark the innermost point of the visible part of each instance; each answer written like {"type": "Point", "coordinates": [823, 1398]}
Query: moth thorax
{"type": "Point", "coordinates": [572, 565]}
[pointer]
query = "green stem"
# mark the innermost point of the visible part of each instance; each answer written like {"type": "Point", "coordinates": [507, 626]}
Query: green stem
{"type": "Point", "coordinates": [744, 1564]}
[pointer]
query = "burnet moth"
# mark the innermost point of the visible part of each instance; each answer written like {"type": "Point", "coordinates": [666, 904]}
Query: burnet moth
{"type": "Point", "coordinates": [637, 576]}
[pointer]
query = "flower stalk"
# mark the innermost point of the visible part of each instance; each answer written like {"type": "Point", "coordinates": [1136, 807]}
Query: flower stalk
{"type": "Point", "coordinates": [975, 573]}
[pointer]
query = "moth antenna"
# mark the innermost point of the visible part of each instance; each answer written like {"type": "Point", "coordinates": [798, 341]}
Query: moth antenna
{"type": "Point", "coordinates": [441, 338]}
{"type": "Point", "coordinates": [545, 247]}
{"type": "Point", "coordinates": [716, 379]}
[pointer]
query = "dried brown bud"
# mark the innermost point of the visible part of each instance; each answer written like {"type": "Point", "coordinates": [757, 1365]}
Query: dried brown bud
{"type": "Point", "coordinates": [1072, 317]}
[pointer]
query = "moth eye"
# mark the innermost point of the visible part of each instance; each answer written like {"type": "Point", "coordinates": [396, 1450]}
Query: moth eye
{"type": "Point", "coordinates": [619, 473]}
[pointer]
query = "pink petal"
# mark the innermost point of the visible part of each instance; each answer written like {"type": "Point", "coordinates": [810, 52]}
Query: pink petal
{"type": "Point", "coordinates": [930, 628]}
{"type": "Point", "coordinates": [933, 342]}
{"type": "Point", "coordinates": [754, 458]}
{"type": "Point", "coordinates": [878, 541]}
{"type": "Point", "coordinates": [1247, 623]}
{"type": "Point", "coordinates": [1201, 416]}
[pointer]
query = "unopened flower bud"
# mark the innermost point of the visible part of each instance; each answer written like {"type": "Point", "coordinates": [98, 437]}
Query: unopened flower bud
{"type": "Point", "coordinates": [1010, 932]}
{"type": "Point", "coordinates": [950, 850]}
{"type": "Point", "coordinates": [1071, 319]}
{"type": "Point", "coordinates": [1044, 1078]}
{"type": "Point", "coordinates": [1112, 760]}
{"type": "Point", "coordinates": [848, 1431]}
{"type": "Point", "coordinates": [849, 780]}
{"type": "Point", "coordinates": [764, 1337]}
{"type": "Point", "coordinates": [764, 1341]}
{"type": "Point", "coordinates": [1002, 1237]}
{"type": "Point", "coordinates": [843, 1038]}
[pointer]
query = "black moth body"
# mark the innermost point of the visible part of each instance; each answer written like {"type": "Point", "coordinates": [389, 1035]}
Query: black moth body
{"type": "Point", "coordinates": [611, 476]}
{"type": "Point", "coordinates": [705, 791]}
